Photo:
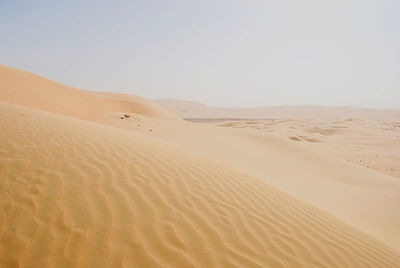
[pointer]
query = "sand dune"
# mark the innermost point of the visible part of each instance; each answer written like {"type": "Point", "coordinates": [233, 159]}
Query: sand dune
{"type": "Point", "coordinates": [27, 89]}
{"type": "Point", "coordinates": [76, 193]}
{"type": "Point", "coordinates": [361, 197]}
{"type": "Point", "coordinates": [92, 179]}
{"type": "Point", "coordinates": [364, 198]}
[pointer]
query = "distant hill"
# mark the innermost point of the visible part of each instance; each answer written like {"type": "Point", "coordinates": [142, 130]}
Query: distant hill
{"type": "Point", "coordinates": [190, 109]}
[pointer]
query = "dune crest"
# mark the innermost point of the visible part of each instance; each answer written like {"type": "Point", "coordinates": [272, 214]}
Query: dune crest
{"type": "Point", "coordinates": [30, 90]}
{"type": "Point", "coordinates": [74, 193]}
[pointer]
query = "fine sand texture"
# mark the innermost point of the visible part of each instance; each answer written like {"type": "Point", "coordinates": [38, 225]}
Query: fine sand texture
{"type": "Point", "coordinates": [111, 180]}
{"type": "Point", "coordinates": [78, 194]}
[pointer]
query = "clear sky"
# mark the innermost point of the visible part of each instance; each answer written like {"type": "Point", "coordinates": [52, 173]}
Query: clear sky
{"type": "Point", "coordinates": [219, 52]}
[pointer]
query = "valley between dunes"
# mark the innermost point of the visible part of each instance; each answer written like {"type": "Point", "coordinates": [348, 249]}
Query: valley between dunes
{"type": "Point", "coordinates": [90, 179]}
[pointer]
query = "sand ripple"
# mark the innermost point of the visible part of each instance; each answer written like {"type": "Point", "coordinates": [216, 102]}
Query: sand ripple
{"type": "Point", "coordinates": [78, 194]}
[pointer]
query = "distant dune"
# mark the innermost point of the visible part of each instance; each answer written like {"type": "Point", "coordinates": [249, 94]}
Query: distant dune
{"type": "Point", "coordinates": [190, 109]}
{"type": "Point", "coordinates": [91, 179]}
{"type": "Point", "coordinates": [371, 143]}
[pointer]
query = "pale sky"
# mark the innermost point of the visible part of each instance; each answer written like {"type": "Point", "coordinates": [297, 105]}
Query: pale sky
{"type": "Point", "coordinates": [220, 52]}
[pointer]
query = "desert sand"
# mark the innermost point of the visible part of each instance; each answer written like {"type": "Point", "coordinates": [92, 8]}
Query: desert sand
{"type": "Point", "coordinates": [370, 143]}
{"type": "Point", "coordinates": [92, 179]}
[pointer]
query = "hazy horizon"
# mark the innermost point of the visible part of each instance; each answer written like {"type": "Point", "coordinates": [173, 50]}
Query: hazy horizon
{"type": "Point", "coordinates": [278, 105]}
{"type": "Point", "coordinates": [220, 53]}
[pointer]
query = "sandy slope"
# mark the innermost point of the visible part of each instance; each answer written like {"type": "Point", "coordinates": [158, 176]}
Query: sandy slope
{"type": "Point", "coordinates": [74, 193]}
{"type": "Point", "coordinates": [359, 196]}
{"type": "Point", "coordinates": [25, 88]}
{"type": "Point", "coordinates": [169, 192]}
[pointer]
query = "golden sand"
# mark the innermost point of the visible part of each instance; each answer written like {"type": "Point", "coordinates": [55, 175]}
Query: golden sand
{"type": "Point", "coordinates": [81, 187]}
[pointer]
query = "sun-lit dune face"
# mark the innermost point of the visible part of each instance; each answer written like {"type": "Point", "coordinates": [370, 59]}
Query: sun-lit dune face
{"type": "Point", "coordinates": [78, 194]}
{"type": "Point", "coordinates": [295, 155]}
{"type": "Point", "coordinates": [27, 89]}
